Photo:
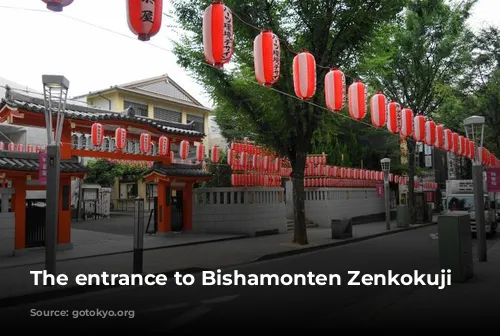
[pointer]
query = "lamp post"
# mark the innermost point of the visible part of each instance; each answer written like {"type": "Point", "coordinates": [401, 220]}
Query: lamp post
{"type": "Point", "coordinates": [386, 167]}
{"type": "Point", "coordinates": [474, 130]}
{"type": "Point", "coordinates": [55, 91]}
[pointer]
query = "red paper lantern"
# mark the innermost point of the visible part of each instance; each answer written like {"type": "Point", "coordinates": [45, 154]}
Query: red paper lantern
{"type": "Point", "coordinates": [378, 109]}
{"type": "Point", "coordinates": [335, 90]}
{"type": "Point", "coordinates": [97, 134]}
{"type": "Point", "coordinates": [230, 157]}
{"type": "Point", "coordinates": [472, 150]}
{"type": "Point", "coordinates": [439, 136]}
{"type": "Point", "coordinates": [406, 129]}
{"type": "Point", "coordinates": [448, 140]}
{"type": "Point", "coordinates": [266, 53]}
{"type": "Point", "coordinates": [455, 142]}
{"type": "Point", "coordinates": [430, 133]}
{"type": "Point", "coordinates": [163, 145]}
{"type": "Point", "coordinates": [357, 96]}
{"type": "Point", "coordinates": [462, 145]}
{"type": "Point", "coordinates": [57, 5]}
{"type": "Point", "coordinates": [419, 128]}
{"type": "Point", "coordinates": [144, 18]}
{"type": "Point", "coordinates": [266, 164]}
{"type": "Point", "coordinates": [394, 117]}
{"type": "Point", "coordinates": [20, 147]}
{"type": "Point", "coordinates": [243, 159]}
{"type": "Point", "coordinates": [343, 172]}
{"type": "Point", "coordinates": [200, 153]}
{"type": "Point", "coordinates": [145, 143]}
{"type": "Point", "coordinates": [184, 149]}
{"type": "Point", "coordinates": [304, 75]}
{"type": "Point", "coordinates": [484, 154]}
{"type": "Point", "coordinates": [218, 34]}
{"type": "Point", "coordinates": [121, 138]}
{"type": "Point", "coordinates": [2, 145]}
{"type": "Point", "coordinates": [215, 154]}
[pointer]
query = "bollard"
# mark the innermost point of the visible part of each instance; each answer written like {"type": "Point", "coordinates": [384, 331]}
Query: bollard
{"type": "Point", "coordinates": [403, 216]}
{"type": "Point", "coordinates": [138, 235]}
{"type": "Point", "coordinates": [455, 246]}
{"type": "Point", "coordinates": [341, 228]}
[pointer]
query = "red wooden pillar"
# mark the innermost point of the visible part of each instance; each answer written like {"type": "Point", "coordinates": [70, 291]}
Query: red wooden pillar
{"type": "Point", "coordinates": [66, 142]}
{"type": "Point", "coordinates": [64, 225]}
{"type": "Point", "coordinates": [19, 207]}
{"type": "Point", "coordinates": [164, 222]}
{"type": "Point", "coordinates": [187, 201]}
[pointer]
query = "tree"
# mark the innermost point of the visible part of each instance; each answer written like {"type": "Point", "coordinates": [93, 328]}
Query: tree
{"type": "Point", "coordinates": [104, 172]}
{"type": "Point", "coordinates": [333, 31]}
{"type": "Point", "coordinates": [419, 59]}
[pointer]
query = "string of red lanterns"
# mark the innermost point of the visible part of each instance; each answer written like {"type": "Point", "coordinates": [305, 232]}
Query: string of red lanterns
{"type": "Point", "coordinates": [266, 60]}
{"type": "Point", "coordinates": [145, 18]}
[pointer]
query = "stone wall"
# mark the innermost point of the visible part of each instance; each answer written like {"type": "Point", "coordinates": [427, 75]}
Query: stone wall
{"type": "Point", "coordinates": [250, 211]}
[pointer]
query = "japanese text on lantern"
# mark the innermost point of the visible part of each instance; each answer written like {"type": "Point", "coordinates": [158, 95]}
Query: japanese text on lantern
{"type": "Point", "coordinates": [276, 56]}
{"type": "Point", "coordinates": [147, 12]}
{"type": "Point", "coordinates": [227, 31]}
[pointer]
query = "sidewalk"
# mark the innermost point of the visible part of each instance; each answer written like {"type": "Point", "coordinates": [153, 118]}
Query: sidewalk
{"type": "Point", "coordinates": [16, 280]}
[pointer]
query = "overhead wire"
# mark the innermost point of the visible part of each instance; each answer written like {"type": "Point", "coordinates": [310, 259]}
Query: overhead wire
{"type": "Point", "coordinates": [209, 65]}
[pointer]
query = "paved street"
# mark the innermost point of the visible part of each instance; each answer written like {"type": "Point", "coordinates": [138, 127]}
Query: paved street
{"type": "Point", "coordinates": [197, 307]}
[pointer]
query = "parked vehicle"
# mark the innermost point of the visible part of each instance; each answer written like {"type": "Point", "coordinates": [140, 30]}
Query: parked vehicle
{"type": "Point", "coordinates": [460, 198]}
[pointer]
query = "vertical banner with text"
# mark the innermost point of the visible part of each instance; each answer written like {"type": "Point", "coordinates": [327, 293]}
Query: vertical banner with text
{"type": "Point", "coordinates": [492, 182]}
{"type": "Point", "coordinates": [42, 168]}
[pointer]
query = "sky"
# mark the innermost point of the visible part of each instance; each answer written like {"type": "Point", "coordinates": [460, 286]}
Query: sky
{"type": "Point", "coordinates": [91, 44]}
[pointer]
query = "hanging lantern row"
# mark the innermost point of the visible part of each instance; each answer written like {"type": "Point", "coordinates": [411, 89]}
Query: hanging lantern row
{"type": "Point", "coordinates": [323, 182]}
{"type": "Point", "coordinates": [256, 163]}
{"type": "Point", "coordinates": [247, 180]}
{"type": "Point", "coordinates": [12, 147]}
{"type": "Point", "coordinates": [145, 142]}
{"type": "Point", "coordinates": [249, 148]}
{"type": "Point", "coordinates": [218, 40]}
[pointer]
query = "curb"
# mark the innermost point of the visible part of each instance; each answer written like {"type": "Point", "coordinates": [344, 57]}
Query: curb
{"type": "Point", "coordinates": [340, 243]}
{"type": "Point", "coordinates": [13, 301]}
{"type": "Point", "coordinates": [131, 251]}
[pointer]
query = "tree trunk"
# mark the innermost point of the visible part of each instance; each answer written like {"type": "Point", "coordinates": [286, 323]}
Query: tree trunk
{"type": "Point", "coordinates": [410, 143]}
{"type": "Point", "coordinates": [299, 213]}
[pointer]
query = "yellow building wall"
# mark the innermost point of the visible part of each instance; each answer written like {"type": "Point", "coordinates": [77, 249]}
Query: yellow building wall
{"type": "Point", "coordinates": [118, 105]}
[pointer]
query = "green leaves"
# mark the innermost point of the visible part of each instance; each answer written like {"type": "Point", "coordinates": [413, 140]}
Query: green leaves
{"type": "Point", "coordinates": [104, 173]}
{"type": "Point", "coordinates": [333, 31]}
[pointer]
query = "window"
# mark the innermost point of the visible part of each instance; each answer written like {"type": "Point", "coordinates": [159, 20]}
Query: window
{"type": "Point", "coordinates": [198, 122]}
{"type": "Point", "coordinates": [167, 115]}
{"type": "Point", "coordinates": [141, 110]}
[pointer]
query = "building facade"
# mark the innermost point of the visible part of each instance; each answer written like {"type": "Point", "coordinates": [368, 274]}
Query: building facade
{"type": "Point", "coordinates": [158, 98]}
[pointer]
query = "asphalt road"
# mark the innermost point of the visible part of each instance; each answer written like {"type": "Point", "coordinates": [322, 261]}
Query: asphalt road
{"type": "Point", "coordinates": [182, 308]}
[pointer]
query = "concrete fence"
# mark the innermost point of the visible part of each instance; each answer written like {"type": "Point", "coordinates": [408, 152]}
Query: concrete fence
{"type": "Point", "coordinates": [252, 211]}
{"type": "Point", "coordinates": [324, 204]}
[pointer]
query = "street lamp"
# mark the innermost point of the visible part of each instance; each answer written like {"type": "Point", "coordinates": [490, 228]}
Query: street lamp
{"type": "Point", "coordinates": [55, 92]}
{"type": "Point", "coordinates": [386, 167]}
{"type": "Point", "coordinates": [474, 130]}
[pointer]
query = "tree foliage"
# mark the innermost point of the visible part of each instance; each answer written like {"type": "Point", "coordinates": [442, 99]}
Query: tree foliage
{"type": "Point", "coordinates": [419, 60]}
{"type": "Point", "coordinates": [104, 172]}
{"type": "Point", "coordinates": [333, 31]}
